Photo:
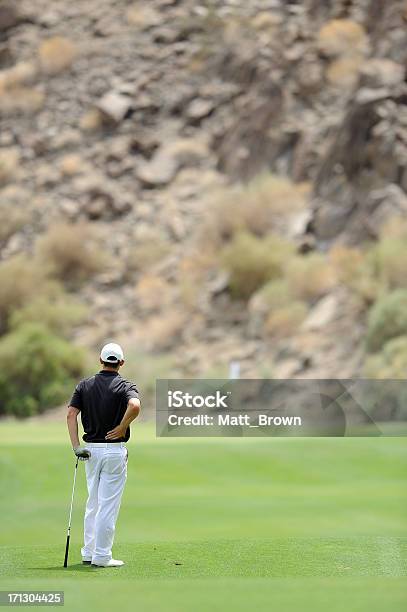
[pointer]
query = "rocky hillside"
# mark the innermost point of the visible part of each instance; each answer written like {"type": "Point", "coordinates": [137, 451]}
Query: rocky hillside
{"type": "Point", "coordinates": [220, 165]}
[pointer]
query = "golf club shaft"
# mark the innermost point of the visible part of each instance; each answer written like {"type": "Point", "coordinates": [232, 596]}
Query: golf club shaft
{"type": "Point", "coordinates": [66, 551]}
{"type": "Point", "coordinates": [68, 534]}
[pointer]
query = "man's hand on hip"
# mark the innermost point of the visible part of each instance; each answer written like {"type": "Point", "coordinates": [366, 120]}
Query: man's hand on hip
{"type": "Point", "coordinates": [82, 453]}
{"type": "Point", "coordinates": [116, 433]}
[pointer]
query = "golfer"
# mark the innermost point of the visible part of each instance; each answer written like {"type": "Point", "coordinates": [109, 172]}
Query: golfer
{"type": "Point", "coordinates": [107, 404]}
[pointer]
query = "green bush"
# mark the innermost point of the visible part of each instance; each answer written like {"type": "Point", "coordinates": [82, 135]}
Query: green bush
{"type": "Point", "coordinates": [390, 363]}
{"type": "Point", "coordinates": [388, 400]}
{"type": "Point", "coordinates": [27, 294]}
{"type": "Point", "coordinates": [251, 262]}
{"type": "Point", "coordinates": [20, 280]}
{"type": "Point", "coordinates": [37, 370]}
{"type": "Point", "coordinates": [387, 319]}
{"type": "Point", "coordinates": [59, 312]}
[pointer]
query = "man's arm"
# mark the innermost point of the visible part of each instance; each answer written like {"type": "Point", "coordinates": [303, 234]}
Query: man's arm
{"type": "Point", "coordinates": [132, 412]}
{"type": "Point", "coordinates": [72, 421]}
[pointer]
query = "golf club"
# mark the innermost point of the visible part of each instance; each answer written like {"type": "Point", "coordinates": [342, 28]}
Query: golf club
{"type": "Point", "coordinates": [68, 533]}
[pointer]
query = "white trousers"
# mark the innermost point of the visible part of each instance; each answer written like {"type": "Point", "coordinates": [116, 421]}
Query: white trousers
{"type": "Point", "coordinates": [106, 473]}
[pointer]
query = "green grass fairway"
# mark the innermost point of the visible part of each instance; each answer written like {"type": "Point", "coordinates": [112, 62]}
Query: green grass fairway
{"type": "Point", "coordinates": [284, 524]}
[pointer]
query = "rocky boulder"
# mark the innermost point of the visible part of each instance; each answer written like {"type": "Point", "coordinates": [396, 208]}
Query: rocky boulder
{"type": "Point", "coordinates": [169, 159]}
{"type": "Point", "coordinates": [9, 15]}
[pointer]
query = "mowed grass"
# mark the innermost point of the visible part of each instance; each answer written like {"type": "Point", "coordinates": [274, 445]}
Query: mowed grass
{"type": "Point", "coordinates": [214, 524]}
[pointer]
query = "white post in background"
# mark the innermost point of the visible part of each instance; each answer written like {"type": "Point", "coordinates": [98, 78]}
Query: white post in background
{"type": "Point", "coordinates": [234, 370]}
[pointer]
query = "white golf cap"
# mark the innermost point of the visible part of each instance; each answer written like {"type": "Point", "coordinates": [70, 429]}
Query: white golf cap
{"type": "Point", "coordinates": [111, 353]}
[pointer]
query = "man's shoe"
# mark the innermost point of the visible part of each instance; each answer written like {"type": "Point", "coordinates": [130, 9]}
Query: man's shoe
{"type": "Point", "coordinates": [85, 562]}
{"type": "Point", "coordinates": [111, 563]}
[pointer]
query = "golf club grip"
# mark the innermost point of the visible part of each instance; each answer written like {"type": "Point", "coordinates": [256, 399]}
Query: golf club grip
{"type": "Point", "coordinates": [67, 550]}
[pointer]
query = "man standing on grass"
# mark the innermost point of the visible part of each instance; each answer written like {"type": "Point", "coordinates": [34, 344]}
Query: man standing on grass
{"type": "Point", "coordinates": [107, 404]}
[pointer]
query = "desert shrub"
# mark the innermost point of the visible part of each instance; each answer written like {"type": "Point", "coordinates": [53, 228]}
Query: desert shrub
{"type": "Point", "coordinates": [251, 262]}
{"type": "Point", "coordinates": [387, 319]}
{"type": "Point", "coordinates": [37, 369]}
{"type": "Point", "coordinates": [163, 331]}
{"type": "Point", "coordinates": [92, 120]}
{"type": "Point", "coordinates": [395, 227]}
{"type": "Point", "coordinates": [268, 198]}
{"type": "Point", "coordinates": [266, 21]}
{"type": "Point", "coordinates": [148, 250]}
{"type": "Point", "coordinates": [342, 37]}
{"type": "Point", "coordinates": [59, 312]}
{"type": "Point", "coordinates": [24, 100]}
{"type": "Point", "coordinates": [389, 261]}
{"type": "Point", "coordinates": [355, 270]}
{"type": "Point", "coordinates": [285, 321]}
{"type": "Point", "coordinates": [71, 253]}
{"type": "Point", "coordinates": [13, 218]}
{"type": "Point", "coordinates": [15, 93]}
{"type": "Point", "coordinates": [309, 277]}
{"type": "Point", "coordinates": [56, 54]}
{"type": "Point", "coordinates": [71, 164]}
{"type": "Point", "coordinates": [274, 295]}
{"type": "Point", "coordinates": [347, 262]}
{"type": "Point", "coordinates": [260, 207]}
{"type": "Point", "coordinates": [142, 16]}
{"type": "Point", "coordinates": [21, 279]}
{"type": "Point", "coordinates": [372, 272]}
{"type": "Point", "coordinates": [276, 311]}
{"type": "Point", "coordinates": [192, 275]}
{"type": "Point", "coordinates": [153, 293]}
{"type": "Point", "coordinates": [344, 72]}
{"type": "Point", "coordinates": [9, 159]}
{"type": "Point", "coordinates": [376, 269]}
{"type": "Point", "coordinates": [145, 368]}
{"type": "Point", "coordinates": [20, 74]}
{"type": "Point", "coordinates": [390, 362]}
{"type": "Point", "coordinates": [387, 401]}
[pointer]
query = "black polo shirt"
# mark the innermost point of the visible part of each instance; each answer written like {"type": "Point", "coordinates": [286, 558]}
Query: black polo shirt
{"type": "Point", "coordinates": [102, 400]}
